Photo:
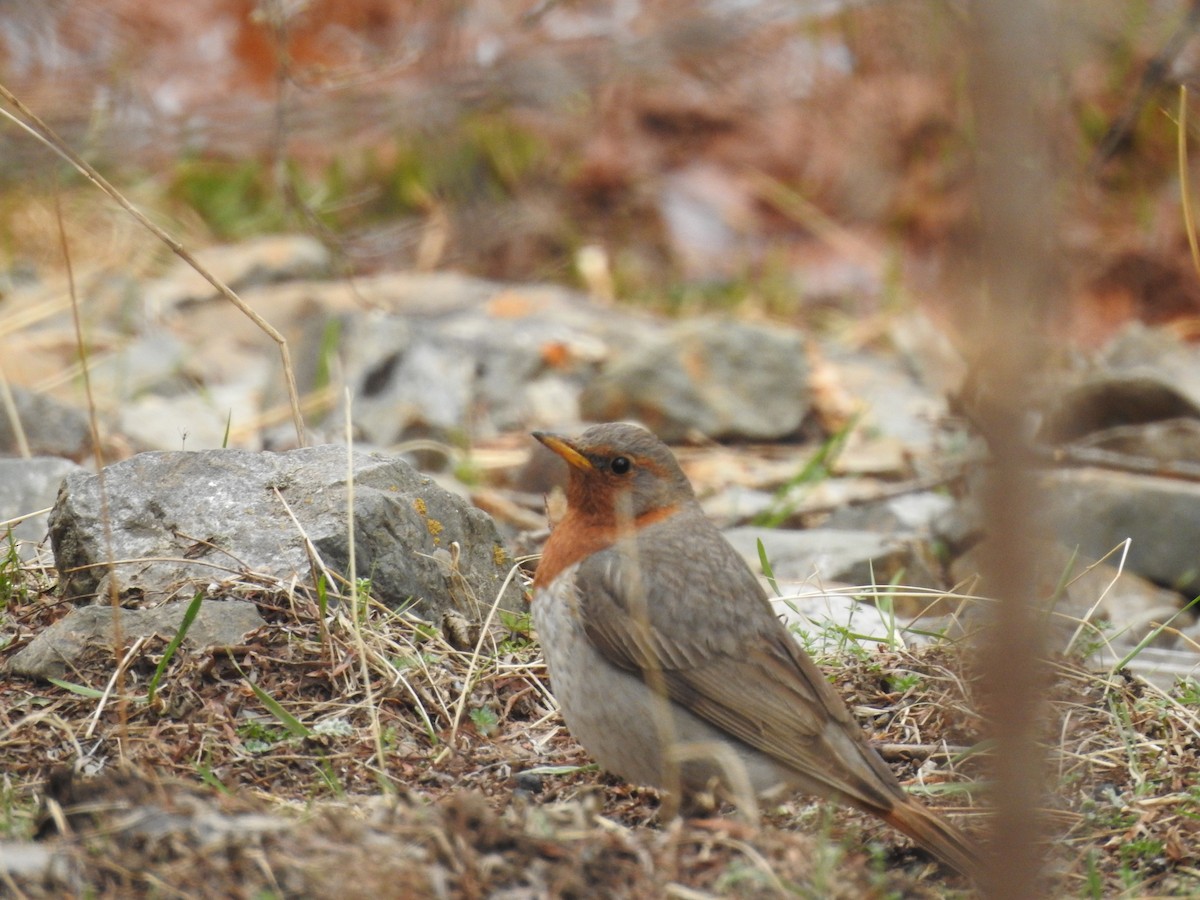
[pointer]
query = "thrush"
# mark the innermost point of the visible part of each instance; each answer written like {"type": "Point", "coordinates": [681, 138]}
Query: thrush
{"type": "Point", "coordinates": [668, 662]}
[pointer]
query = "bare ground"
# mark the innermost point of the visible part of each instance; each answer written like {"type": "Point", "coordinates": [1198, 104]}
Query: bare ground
{"type": "Point", "coordinates": [256, 772]}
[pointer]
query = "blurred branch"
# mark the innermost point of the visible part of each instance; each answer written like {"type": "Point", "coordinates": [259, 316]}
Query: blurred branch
{"type": "Point", "coordinates": [1011, 50]}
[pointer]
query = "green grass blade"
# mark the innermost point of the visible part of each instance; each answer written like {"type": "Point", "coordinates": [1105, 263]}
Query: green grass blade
{"type": "Point", "coordinates": [1145, 642]}
{"type": "Point", "coordinates": [818, 467]}
{"type": "Point", "coordinates": [294, 726]}
{"type": "Point", "coordinates": [189, 616]}
{"type": "Point", "coordinates": [767, 570]}
{"type": "Point", "coordinates": [322, 597]}
{"type": "Point", "coordinates": [81, 689]}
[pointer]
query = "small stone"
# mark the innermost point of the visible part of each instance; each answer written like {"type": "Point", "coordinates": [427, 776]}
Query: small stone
{"type": "Point", "coordinates": [58, 650]}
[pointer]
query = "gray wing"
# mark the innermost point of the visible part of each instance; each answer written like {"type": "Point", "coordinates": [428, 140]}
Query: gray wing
{"type": "Point", "coordinates": [726, 657]}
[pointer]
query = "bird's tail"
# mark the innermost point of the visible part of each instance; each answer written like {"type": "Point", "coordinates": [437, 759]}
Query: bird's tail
{"type": "Point", "coordinates": [935, 834]}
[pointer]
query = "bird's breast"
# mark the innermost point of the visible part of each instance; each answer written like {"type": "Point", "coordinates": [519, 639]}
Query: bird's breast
{"type": "Point", "coordinates": [628, 728]}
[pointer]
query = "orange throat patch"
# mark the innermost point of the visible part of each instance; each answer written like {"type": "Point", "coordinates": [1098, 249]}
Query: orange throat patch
{"type": "Point", "coordinates": [576, 537]}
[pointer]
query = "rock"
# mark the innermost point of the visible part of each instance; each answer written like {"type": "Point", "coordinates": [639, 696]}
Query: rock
{"type": "Point", "coordinates": [736, 503]}
{"type": "Point", "coordinates": [485, 360]}
{"type": "Point", "coordinates": [807, 501]}
{"type": "Point", "coordinates": [927, 352]}
{"type": "Point", "coordinates": [1144, 375]}
{"type": "Point", "coordinates": [1157, 443]}
{"type": "Point", "coordinates": [866, 453]}
{"type": "Point", "coordinates": [826, 277]}
{"type": "Point", "coordinates": [1160, 666]}
{"type": "Point", "coordinates": [1097, 509]}
{"type": "Point", "coordinates": [1110, 399]}
{"type": "Point", "coordinates": [708, 214]}
{"type": "Point", "coordinates": [51, 428]}
{"type": "Point", "coordinates": [27, 485]}
{"type": "Point", "coordinates": [918, 512]}
{"type": "Point", "coordinates": [715, 377]}
{"type": "Point", "coordinates": [1158, 354]}
{"type": "Point", "coordinates": [1101, 611]}
{"type": "Point", "coordinates": [182, 520]}
{"type": "Point", "coordinates": [36, 862]}
{"type": "Point", "coordinates": [812, 613]}
{"type": "Point", "coordinates": [895, 405]}
{"type": "Point", "coordinates": [58, 650]}
{"type": "Point", "coordinates": [153, 361]}
{"type": "Point", "coordinates": [961, 526]}
{"type": "Point", "coordinates": [253, 261]}
{"type": "Point", "coordinates": [191, 421]}
{"type": "Point", "coordinates": [1080, 587]}
{"type": "Point", "coordinates": [823, 555]}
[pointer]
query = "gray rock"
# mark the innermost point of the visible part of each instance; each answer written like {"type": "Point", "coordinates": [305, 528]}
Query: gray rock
{"type": "Point", "coordinates": [928, 352]}
{"type": "Point", "coordinates": [1108, 400]}
{"type": "Point", "coordinates": [27, 485]}
{"type": "Point", "coordinates": [737, 504]}
{"type": "Point", "coordinates": [179, 520]}
{"type": "Point", "coordinates": [1102, 612]}
{"type": "Point", "coordinates": [722, 379]}
{"type": "Point", "coordinates": [918, 512]}
{"type": "Point", "coordinates": [895, 404]}
{"type": "Point", "coordinates": [812, 613]}
{"type": "Point", "coordinates": [481, 361]}
{"type": "Point", "coordinates": [1080, 587]}
{"type": "Point", "coordinates": [35, 862]}
{"type": "Point", "coordinates": [1157, 443]}
{"type": "Point", "coordinates": [154, 361]}
{"type": "Point", "coordinates": [191, 421]}
{"type": "Point", "coordinates": [1144, 375]}
{"type": "Point", "coordinates": [51, 428]}
{"type": "Point", "coordinates": [1096, 509]}
{"type": "Point", "coordinates": [1162, 667]}
{"type": "Point", "coordinates": [1158, 354]}
{"type": "Point", "coordinates": [827, 554]}
{"type": "Point", "coordinates": [58, 650]}
{"type": "Point", "coordinates": [706, 211]}
{"type": "Point", "coordinates": [1099, 611]}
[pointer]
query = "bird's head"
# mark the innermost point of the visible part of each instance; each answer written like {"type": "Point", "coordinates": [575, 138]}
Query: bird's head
{"type": "Point", "coordinates": [619, 471]}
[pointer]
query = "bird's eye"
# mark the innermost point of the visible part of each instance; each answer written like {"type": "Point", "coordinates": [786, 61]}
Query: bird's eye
{"type": "Point", "coordinates": [621, 465]}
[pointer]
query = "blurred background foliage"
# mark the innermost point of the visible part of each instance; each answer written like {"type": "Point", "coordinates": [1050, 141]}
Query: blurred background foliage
{"type": "Point", "coordinates": [799, 157]}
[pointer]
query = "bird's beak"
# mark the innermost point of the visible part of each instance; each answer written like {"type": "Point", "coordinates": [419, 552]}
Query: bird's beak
{"type": "Point", "coordinates": [565, 449]}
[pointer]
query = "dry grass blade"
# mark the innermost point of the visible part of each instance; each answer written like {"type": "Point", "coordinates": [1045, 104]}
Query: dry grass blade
{"type": "Point", "coordinates": [356, 599]}
{"type": "Point", "coordinates": [1123, 547]}
{"type": "Point", "coordinates": [1185, 186]}
{"type": "Point", "coordinates": [14, 417]}
{"type": "Point", "coordinates": [17, 520]}
{"type": "Point", "coordinates": [473, 663]}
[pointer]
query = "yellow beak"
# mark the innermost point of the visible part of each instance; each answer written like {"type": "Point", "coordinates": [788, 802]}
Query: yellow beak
{"type": "Point", "coordinates": [565, 449]}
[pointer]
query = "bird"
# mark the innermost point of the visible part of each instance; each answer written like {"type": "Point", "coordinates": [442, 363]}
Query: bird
{"type": "Point", "coordinates": [668, 663]}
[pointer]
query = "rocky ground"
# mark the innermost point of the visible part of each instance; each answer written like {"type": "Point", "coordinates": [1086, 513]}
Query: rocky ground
{"type": "Point", "coordinates": [317, 756]}
{"type": "Point", "coordinates": [298, 730]}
